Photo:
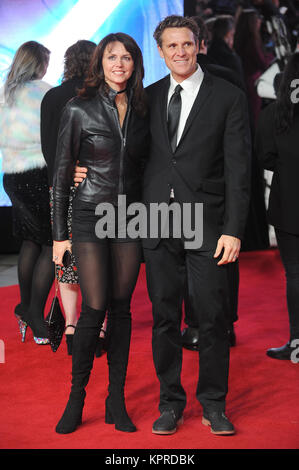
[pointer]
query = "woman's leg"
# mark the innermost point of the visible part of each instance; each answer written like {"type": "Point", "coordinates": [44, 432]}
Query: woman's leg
{"type": "Point", "coordinates": [93, 266]}
{"type": "Point", "coordinates": [125, 264]}
{"type": "Point", "coordinates": [27, 259]}
{"type": "Point", "coordinates": [69, 297]}
{"type": "Point", "coordinates": [42, 280]}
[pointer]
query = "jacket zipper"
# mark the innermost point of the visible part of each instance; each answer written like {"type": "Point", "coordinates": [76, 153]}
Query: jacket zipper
{"type": "Point", "coordinates": [123, 141]}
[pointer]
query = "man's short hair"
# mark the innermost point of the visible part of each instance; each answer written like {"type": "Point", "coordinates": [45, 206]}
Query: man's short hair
{"type": "Point", "coordinates": [175, 21]}
{"type": "Point", "coordinates": [223, 25]}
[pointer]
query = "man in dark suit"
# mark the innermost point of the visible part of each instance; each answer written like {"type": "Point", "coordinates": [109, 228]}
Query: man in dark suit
{"type": "Point", "coordinates": [199, 154]}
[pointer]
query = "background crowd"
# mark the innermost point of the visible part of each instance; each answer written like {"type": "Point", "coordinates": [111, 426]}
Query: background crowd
{"type": "Point", "coordinates": [247, 37]}
{"type": "Point", "coordinates": [247, 43]}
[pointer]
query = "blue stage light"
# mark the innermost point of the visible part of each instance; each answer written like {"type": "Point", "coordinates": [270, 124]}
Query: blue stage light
{"type": "Point", "coordinates": [81, 22]}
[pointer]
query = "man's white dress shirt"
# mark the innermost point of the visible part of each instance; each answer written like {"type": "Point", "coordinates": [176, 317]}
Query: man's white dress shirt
{"type": "Point", "coordinates": [190, 89]}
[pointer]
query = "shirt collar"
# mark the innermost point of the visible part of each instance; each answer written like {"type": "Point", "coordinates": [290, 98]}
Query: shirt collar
{"type": "Point", "coordinates": [190, 84]}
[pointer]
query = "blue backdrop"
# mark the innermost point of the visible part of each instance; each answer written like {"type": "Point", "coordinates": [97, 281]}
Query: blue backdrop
{"type": "Point", "coordinates": [59, 23]}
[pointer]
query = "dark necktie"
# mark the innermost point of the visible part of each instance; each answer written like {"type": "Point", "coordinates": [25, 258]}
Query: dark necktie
{"type": "Point", "coordinates": [174, 111]}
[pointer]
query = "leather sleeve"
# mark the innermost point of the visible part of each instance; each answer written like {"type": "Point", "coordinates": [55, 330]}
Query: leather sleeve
{"type": "Point", "coordinates": [237, 167]}
{"type": "Point", "coordinates": [67, 153]}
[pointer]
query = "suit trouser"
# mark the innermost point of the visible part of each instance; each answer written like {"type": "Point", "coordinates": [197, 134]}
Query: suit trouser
{"type": "Point", "coordinates": [288, 245]}
{"type": "Point", "coordinates": [233, 285]}
{"type": "Point", "coordinates": [166, 266]}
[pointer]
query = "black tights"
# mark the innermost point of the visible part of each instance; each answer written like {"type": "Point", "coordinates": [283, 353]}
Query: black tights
{"type": "Point", "coordinates": [107, 272]}
{"type": "Point", "coordinates": [36, 274]}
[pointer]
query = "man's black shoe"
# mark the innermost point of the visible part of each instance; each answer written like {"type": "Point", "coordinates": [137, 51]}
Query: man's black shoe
{"type": "Point", "coordinates": [190, 338]}
{"type": "Point", "coordinates": [284, 352]}
{"type": "Point", "coordinates": [167, 423]}
{"type": "Point", "coordinates": [218, 422]}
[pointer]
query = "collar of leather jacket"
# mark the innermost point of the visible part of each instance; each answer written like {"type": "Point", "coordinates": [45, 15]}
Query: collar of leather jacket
{"type": "Point", "coordinates": [109, 97]}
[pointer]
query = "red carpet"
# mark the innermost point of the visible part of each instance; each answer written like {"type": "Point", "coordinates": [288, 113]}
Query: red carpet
{"type": "Point", "coordinates": [263, 393]}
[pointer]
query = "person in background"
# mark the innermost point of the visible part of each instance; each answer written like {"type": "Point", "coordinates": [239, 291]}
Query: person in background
{"type": "Point", "coordinates": [249, 46]}
{"type": "Point", "coordinates": [205, 61]}
{"type": "Point", "coordinates": [224, 7]}
{"type": "Point", "coordinates": [221, 50]}
{"type": "Point", "coordinates": [202, 8]}
{"type": "Point", "coordinates": [277, 149]}
{"type": "Point", "coordinates": [106, 130]}
{"type": "Point", "coordinates": [76, 63]}
{"type": "Point", "coordinates": [190, 334]}
{"type": "Point", "coordinates": [25, 181]}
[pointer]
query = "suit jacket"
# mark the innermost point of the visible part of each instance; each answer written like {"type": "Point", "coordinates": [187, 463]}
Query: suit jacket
{"type": "Point", "coordinates": [223, 72]}
{"type": "Point", "coordinates": [279, 153]}
{"type": "Point", "coordinates": [221, 54]}
{"type": "Point", "coordinates": [211, 163]}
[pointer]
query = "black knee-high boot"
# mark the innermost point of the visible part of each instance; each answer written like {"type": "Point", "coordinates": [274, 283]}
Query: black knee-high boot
{"type": "Point", "coordinates": [84, 346]}
{"type": "Point", "coordinates": [119, 337]}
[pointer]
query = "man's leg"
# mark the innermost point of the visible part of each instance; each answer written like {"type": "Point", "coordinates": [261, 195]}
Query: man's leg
{"type": "Point", "coordinates": [165, 273]}
{"type": "Point", "coordinates": [209, 294]}
{"type": "Point", "coordinates": [208, 287]}
{"type": "Point", "coordinates": [190, 334]}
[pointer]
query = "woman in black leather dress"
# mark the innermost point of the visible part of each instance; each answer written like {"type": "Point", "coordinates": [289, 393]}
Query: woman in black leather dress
{"type": "Point", "coordinates": [106, 130]}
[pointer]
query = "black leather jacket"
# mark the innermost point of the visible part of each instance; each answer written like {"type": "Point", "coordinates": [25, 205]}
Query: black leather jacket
{"type": "Point", "coordinates": [90, 133]}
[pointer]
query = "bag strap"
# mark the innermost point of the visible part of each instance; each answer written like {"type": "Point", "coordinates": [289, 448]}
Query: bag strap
{"type": "Point", "coordinates": [57, 279]}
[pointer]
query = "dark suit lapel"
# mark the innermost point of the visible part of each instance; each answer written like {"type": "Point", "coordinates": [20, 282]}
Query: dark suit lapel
{"type": "Point", "coordinates": [163, 109]}
{"type": "Point", "coordinates": [202, 96]}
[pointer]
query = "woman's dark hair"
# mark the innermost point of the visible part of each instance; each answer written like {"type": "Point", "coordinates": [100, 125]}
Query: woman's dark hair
{"type": "Point", "coordinates": [77, 59]}
{"type": "Point", "coordinates": [95, 79]}
{"type": "Point", "coordinates": [247, 30]}
{"type": "Point", "coordinates": [175, 21]}
{"type": "Point", "coordinates": [285, 106]}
